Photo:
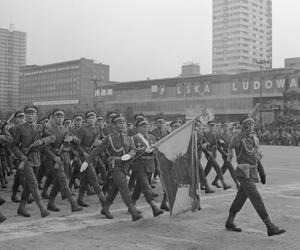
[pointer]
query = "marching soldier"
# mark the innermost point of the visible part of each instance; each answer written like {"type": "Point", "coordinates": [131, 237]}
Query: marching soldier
{"type": "Point", "coordinates": [159, 132]}
{"type": "Point", "coordinates": [143, 165]}
{"type": "Point", "coordinates": [211, 154]}
{"type": "Point", "coordinates": [19, 177]}
{"type": "Point", "coordinates": [27, 142]}
{"type": "Point", "coordinates": [222, 146]}
{"type": "Point", "coordinates": [54, 153]}
{"type": "Point", "coordinates": [88, 135]}
{"type": "Point", "coordinates": [246, 146]}
{"type": "Point", "coordinates": [119, 146]}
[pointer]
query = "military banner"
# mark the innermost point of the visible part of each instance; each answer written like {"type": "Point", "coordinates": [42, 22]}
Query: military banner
{"type": "Point", "coordinates": [176, 155]}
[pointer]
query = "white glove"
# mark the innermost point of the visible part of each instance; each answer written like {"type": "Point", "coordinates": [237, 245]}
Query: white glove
{"type": "Point", "coordinates": [83, 166]}
{"type": "Point", "coordinates": [149, 150]}
{"type": "Point", "coordinates": [125, 157]}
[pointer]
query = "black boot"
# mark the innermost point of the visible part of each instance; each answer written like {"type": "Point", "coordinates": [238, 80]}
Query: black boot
{"type": "Point", "coordinates": [225, 186]}
{"type": "Point", "coordinates": [156, 211]}
{"type": "Point", "coordinates": [216, 184]}
{"type": "Point", "coordinates": [75, 207]}
{"type": "Point", "coordinates": [2, 201]}
{"type": "Point", "coordinates": [230, 226]}
{"type": "Point", "coordinates": [14, 197]}
{"type": "Point", "coordinates": [2, 218]}
{"type": "Point", "coordinates": [272, 228]}
{"type": "Point", "coordinates": [45, 195]}
{"type": "Point", "coordinates": [22, 210]}
{"type": "Point", "coordinates": [105, 209]}
{"type": "Point", "coordinates": [134, 213]}
{"type": "Point", "coordinates": [164, 204]}
{"type": "Point", "coordinates": [80, 201]}
{"type": "Point", "coordinates": [51, 206]}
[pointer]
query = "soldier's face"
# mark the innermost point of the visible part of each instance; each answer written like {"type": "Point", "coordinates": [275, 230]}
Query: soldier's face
{"type": "Point", "coordinates": [59, 119]}
{"type": "Point", "coordinates": [121, 126]}
{"type": "Point", "coordinates": [91, 120]}
{"type": "Point", "coordinates": [143, 129]}
{"type": "Point", "coordinates": [20, 119]}
{"type": "Point", "coordinates": [248, 128]}
{"type": "Point", "coordinates": [31, 116]}
{"type": "Point", "coordinates": [78, 122]}
{"type": "Point", "coordinates": [161, 124]}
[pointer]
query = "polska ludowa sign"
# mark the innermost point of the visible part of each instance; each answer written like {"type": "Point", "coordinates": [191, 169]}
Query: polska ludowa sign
{"type": "Point", "coordinates": [268, 85]}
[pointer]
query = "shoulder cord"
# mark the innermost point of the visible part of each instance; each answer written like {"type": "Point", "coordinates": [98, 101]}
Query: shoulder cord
{"type": "Point", "coordinates": [113, 147]}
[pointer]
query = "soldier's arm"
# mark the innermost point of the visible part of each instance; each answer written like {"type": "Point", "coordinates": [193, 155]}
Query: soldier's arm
{"type": "Point", "coordinates": [132, 151]}
{"type": "Point", "coordinates": [47, 148]}
{"type": "Point", "coordinates": [234, 142]}
{"type": "Point", "coordinates": [98, 150]}
{"type": "Point", "coordinates": [16, 143]}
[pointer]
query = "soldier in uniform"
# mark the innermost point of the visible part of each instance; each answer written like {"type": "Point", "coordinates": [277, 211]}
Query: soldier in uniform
{"type": "Point", "coordinates": [143, 165]}
{"type": "Point", "coordinates": [110, 127]}
{"type": "Point", "coordinates": [27, 140]}
{"type": "Point", "coordinates": [211, 154]}
{"type": "Point", "coordinates": [19, 177]}
{"type": "Point", "coordinates": [119, 146]}
{"type": "Point", "coordinates": [54, 153]}
{"type": "Point", "coordinates": [74, 128]}
{"type": "Point", "coordinates": [159, 132]}
{"type": "Point", "coordinates": [222, 145]}
{"type": "Point", "coordinates": [246, 146]}
{"type": "Point", "coordinates": [88, 135]}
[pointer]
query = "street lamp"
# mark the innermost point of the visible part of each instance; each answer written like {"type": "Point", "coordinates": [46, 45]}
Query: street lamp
{"type": "Point", "coordinates": [95, 80]}
{"type": "Point", "coordinates": [261, 63]}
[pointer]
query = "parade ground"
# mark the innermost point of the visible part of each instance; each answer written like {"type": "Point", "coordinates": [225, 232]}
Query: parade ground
{"type": "Point", "coordinates": [203, 229]}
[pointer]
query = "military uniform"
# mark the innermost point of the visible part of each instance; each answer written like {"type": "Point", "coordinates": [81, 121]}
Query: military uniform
{"type": "Point", "coordinates": [246, 146]}
{"type": "Point", "coordinates": [143, 168]}
{"type": "Point", "coordinates": [55, 151]}
{"type": "Point", "coordinates": [25, 135]}
{"type": "Point", "coordinates": [117, 145]}
{"type": "Point", "coordinates": [87, 135]}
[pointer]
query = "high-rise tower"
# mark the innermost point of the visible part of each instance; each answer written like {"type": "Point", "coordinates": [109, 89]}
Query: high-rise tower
{"type": "Point", "coordinates": [242, 35]}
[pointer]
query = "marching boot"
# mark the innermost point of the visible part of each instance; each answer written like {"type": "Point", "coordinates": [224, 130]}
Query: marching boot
{"type": "Point", "coordinates": [80, 201]}
{"type": "Point", "coordinates": [75, 207]}
{"type": "Point", "coordinates": [134, 202]}
{"type": "Point", "coordinates": [45, 195]}
{"type": "Point", "coordinates": [208, 190]}
{"type": "Point", "coordinates": [44, 211]}
{"type": "Point", "coordinates": [230, 226]}
{"type": "Point", "coordinates": [156, 211]}
{"type": "Point", "coordinates": [134, 213]}
{"type": "Point", "coordinates": [105, 209]}
{"type": "Point", "coordinates": [2, 201]}
{"type": "Point", "coordinates": [164, 204]}
{"type": "Point", "coordinates": [51, 206]}
{"type": "Point", "coordinates": [272, 228]}
{"type": "Point", "coordinates": [14, 197]}
{"type": "Point", "coordinates": [215, 183]}
{"type": "Point", "coordinates": [90, 191]}
{"type": "Point", "coordinates": [225, 186]}
{"type": "Point", "coordinates": [22, 210]}
{"type": "Point", "coordinates": [2, 218]}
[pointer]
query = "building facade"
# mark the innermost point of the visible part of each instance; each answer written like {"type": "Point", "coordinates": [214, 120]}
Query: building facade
{"type": "Point", "coordinates": [12, 56]}
{"type": "Point", "coordinates": [66, 84]}
{"type": "Point", "coordinates": [227, 96]}
{"type": "Point", "coordinates": [242, 35]}
{"type": "Point", "coordinates": [293, 63]}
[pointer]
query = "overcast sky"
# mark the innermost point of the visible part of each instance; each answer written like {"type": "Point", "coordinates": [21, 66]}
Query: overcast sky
{"type": "Point", "coordinates": [137, 38]}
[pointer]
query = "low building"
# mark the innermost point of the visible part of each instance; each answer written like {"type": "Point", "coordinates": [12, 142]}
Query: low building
{"type": "Point", "coordinates": [228, 96]}
{"type": "Point", "coordinates": [69, 84]}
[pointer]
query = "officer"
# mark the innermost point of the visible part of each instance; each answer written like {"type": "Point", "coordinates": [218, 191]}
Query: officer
{"type": "Point", "coordinates": [143, 165]}
{"type": "Point", "coordinates": [27, 142]}
{"type": "Point", "coordinates": [88, 135]}
{"type": "Point", "coordinates": [55, 152]}
{"type": "Point", "coordinates": [246, 146]}
{"type": "Point", "coordinates": [120, 149]}
{"type": "Point", "coordinates": [110, 127]}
